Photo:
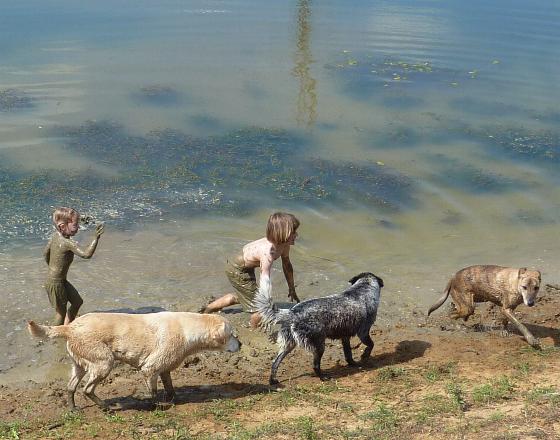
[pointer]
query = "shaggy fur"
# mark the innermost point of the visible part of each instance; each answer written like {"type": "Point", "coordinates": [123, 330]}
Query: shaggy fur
{"type": "Point", "coordinates": [310, 322]}
{"type": "Point", "coordinates": [154, 343]}
{"type": "Point", "coordinates": [506, 287]}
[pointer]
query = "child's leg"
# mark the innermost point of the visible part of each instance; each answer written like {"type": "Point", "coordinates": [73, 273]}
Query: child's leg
{"type": "Point", "coordinates": [76, 302]}
{"type": "Point", "coordinates": [57, 298]}
{"type": "Point", "coordinates": [60, 315]}
{"type": "Point", "coordinates": [227, 300]}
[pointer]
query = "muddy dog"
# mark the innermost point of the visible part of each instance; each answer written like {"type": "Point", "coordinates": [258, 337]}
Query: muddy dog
{"type": "Point", "coordinates": [310, 322]}
{"type": "Point", "coordinates": [506, 287]}
{"type": "Point", "coordinates": [154, 343]}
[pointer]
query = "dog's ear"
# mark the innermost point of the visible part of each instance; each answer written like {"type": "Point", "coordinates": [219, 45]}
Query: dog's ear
{"type": "Point", "coordinates": [522, 270]}
{"type": "Point", "coordinates": [357, 277]}
{"type": "Point", "coordinates": [379, 281]}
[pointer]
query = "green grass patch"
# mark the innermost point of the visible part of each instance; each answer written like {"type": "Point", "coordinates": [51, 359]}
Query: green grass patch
{"type": "Point", "coordinates": [303, 428]}
{"type": "Point", "coordinates": [437, 404]}
{"type": "Point", "coordinates": [494, 391]}
{"type": "Point", "coordinates": [385, 419]}
{"type": "Point", "coordinates": [389, 373]}
{"type": "Point", "coordinates": [544, 394]}
{"type": "Point", "coordinates": [435, 373]}
{"type": "Point", "coordinates": [11, 430]}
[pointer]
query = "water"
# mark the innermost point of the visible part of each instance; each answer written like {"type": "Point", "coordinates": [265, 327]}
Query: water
{"type": "Point", "coordinates": [410, 138]}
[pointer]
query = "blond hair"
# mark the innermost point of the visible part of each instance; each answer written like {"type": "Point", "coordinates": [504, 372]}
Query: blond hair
{"type": "Point", "coordinates": [64, 215]}
{"type": "Point", "coordinates": [280, 226]}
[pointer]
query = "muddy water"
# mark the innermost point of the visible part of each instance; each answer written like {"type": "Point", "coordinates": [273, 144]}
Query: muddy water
{"type": "Point", "coordinates": [411, 139]}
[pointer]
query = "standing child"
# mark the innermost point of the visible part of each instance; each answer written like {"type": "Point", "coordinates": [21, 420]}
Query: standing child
{"type": "Point", "coordinates": [281, 233]}
{"type": "Point", "coordinates": [59, 254]}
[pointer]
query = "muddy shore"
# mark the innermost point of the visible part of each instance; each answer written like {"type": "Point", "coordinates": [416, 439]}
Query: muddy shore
{"type": "Point", "coordinates": [427, 378]}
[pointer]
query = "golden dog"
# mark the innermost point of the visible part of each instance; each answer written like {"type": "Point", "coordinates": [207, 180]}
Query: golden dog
{"type": "Point", "coordinates": [506, 287]}
{"type": "Point", "coordinates": [154, 343]}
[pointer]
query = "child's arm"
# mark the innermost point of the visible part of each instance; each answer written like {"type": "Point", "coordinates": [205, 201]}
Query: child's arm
{"type": "Point", "coordinates": [88, 252]}
{"type": "Point", "coordinates": [289, 274]}
{"type": "Point", "coordinates": [47, 252]}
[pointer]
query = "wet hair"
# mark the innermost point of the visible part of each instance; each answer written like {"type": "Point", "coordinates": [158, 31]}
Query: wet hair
{"type": "Point", "coordinates": [64, 215]}
{"type": "Point", "coordinates": [280, 226]}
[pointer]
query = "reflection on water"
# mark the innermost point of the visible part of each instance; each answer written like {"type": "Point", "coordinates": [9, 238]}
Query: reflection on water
{"type": "Point", "coordinates": [307, 97]}
{"type": "Point", "coordinates": [436, 144]}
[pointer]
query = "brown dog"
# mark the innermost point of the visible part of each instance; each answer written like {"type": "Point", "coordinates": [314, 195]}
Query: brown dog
{"type": "Point", "coordinates": [506, 287]}
{"type": "Point", "coordinates": [154, 343]}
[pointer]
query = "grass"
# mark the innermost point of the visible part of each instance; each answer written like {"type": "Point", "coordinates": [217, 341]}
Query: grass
{"type": "Point", "coordinates": [434, 373]}
{"type": "Point", "coordinates": [547, 394]}
{"type": "Point", "coordinates": [11, 430]}
{"type": "Point", "coordinates": [494, 391]}
{"type": "Point", "coordinates": [383, 417]}
{"type": "Point", "coordinates": [389, 373]}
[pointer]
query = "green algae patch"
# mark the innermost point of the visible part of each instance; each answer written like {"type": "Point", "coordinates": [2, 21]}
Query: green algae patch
{"type": "Point", "coordinates": [167, 173]}
{"type": "Point", "coordinates": [13, 100]}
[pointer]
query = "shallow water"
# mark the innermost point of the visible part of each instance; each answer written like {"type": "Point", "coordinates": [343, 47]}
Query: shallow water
{"type": "Point", "coordinates": [411, 139]}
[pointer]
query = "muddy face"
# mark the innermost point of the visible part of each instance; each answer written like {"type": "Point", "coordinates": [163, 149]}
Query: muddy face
{"type": "Point", "coordinates": [528, 286]}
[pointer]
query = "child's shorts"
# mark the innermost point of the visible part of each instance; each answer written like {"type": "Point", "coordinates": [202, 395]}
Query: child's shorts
{"type": "Point", "coordinates": [244, 280]}
{"type": "Point", "coordinates": [61, 292]}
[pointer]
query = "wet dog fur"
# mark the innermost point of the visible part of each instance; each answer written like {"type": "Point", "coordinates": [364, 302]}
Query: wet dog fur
{"type": "Point", "coordinates": [506, 287]}
{"type": "Point", "coordinates": [154, 343]}
{"type": "Point", "coordinates": [310, 322]}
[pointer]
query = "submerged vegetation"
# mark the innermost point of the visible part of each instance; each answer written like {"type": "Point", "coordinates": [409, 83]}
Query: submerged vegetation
{"type": "Point", "coordinates": [158, 94]}
{"type": "Point", "coordinates": [12, 100]}
{"type": "Point", "coordinates": [169, 172]}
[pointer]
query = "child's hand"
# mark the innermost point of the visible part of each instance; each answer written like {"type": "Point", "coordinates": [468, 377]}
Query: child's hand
{"type": "Point", "coordinates": [292, 295]}
{"type": "Point", "coordinates": [99, 229]}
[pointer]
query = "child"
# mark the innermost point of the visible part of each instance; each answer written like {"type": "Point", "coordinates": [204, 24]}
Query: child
{"type": "Point", "coordinates": [59, 254]}
{"type": "Point", "coordinates": [281, 233]}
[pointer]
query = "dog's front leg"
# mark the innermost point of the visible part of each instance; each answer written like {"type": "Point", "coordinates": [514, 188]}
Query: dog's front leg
{"type": "Point", "coordinates": [167, 385]}
{"type": "Point", "coordinates": [368, 342]}
{"type": "Point", "coordinates": [533, 342]}
{"type": "Point", "coordinates": [348, 352]}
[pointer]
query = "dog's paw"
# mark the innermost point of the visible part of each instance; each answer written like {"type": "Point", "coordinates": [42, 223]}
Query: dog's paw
{"type": "Point", "coordinates": [352, 363]}
{"type": "Point", "coordinates": [534, 342]}
{"type": "Point", "coordinates": [273, 382]}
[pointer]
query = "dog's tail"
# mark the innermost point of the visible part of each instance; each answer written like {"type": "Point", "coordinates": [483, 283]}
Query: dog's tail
{"type": "Point", "coordinates": [263, 304]}
{"type": "Point", "coordinates": [47, 331]}
{"type": "Point", "coordinates": [442, 299]}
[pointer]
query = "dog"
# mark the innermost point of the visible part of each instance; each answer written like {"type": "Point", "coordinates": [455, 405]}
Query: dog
{"type": "Point", "coordinates": [310, 322]}
{"type": "Point", "coordinates": [154, 343]}
{"type": "Point", "coordinates": [506, 287]}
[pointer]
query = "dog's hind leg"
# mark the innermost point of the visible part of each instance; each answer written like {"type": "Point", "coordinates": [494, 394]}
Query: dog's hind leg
{"type": "Point", "coordinates": [167, 385]}
{"type": "Point", "coordinates": [287, 344]}
{"type": "Point", "coordinates": [75, 378]}
{"type": "Point", "coordinates": [464, 304]}
{"type": "Point", "coordinates": [367, 341]}
{"type": "Point", "coordinates": [318, 348]}
{"type": "Point", "coordinates": [97, 372]}
{"type": "Point", "coordinates": [348, 351]}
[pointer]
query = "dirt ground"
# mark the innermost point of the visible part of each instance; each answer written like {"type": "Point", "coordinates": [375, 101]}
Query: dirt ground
{"type": "Point", "coordinates": [427, 378]}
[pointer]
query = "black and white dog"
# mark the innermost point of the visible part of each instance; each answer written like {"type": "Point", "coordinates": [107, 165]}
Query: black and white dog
{"type": "Point", "coordinates": [310, 322]}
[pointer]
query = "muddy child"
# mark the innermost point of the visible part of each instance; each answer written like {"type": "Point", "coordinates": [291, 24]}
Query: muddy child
{"type": "Point", "coordinates": [281, 233]}
{"type": "Point", "coordinates": [59, 254]}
